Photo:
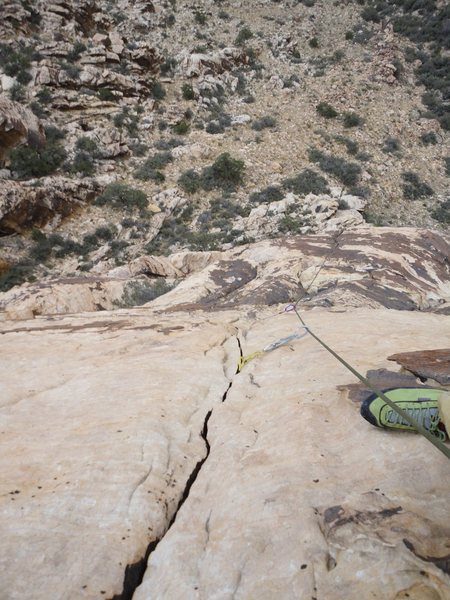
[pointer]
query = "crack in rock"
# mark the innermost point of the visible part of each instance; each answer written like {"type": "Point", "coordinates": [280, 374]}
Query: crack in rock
{"type": "Point", "coordinates": [134, 573]}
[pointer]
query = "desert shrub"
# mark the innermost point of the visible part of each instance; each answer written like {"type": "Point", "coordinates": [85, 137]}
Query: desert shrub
{"type": "Point", "coordinates": [414, 188]}
{"type": "Point", "coordinates": [313, 42]}
{"type": "Point", "coordinates": [200, 18]}
{"type": "Point", "coordinates": [38, 109]}
{"type": "Point", "coordinates": [44, 96]}
{"type": "Point", "coordinates": [150, 169]}
{"type": "Point", "coordinates": [306, 182]}
{"type": "Point", "coordinates": [349, 35]}
{"type": "Point", "coordinates": [190, 181]}
{"type": "Point", "coordinates": [391, 145]}
{"type": "Point", "coordinates": [181, 128]}
{"type": "Point", "coordinates": [27, 162]}
{"type": "Point", "coordinates": [223, 15]}
{"type": "Point", "coordinates": [266, 122]}
{"type": "Point", "coordinates": [351, 119]}
{"type": "Point", "coordinates": [17, 274]}
{"type": "Point", "coordinates": [16, 62]}
{"type": "Point", "coordinates": [158, 91]}
{"type": "Point", "coordinates": [172, 142]}
{"type": "Point", "coordinates": [70, 69]}
{"type": "Point", "coordinates": [243, 36]}
{"type": "Point", "coordinates": [88, 145]}
{"type": "Point", "coordinates": [188, 91]}
{"type": "Point", "coordinates": [289, 224]}
{"type": "Point", "coordinates": [122, 196]}
{"type": "Point", "coordinates": [350, 145]}
{"type": "Point", "coordinates": [442, 212]}
{"type": "Point", "coordinates": [138, 293]}
{"type": "Point", "coordinates": [326, 110]}
{"type": "Point", "coordinates": [346, 172]}
{"type": "Point", "coordinates": [77, 50]}
{"type": "Point", "coordinates": [225, 173]}
{"type": "Point", "coordinates": [82, 164]}
{"type": "Point", "coordinates": [18, 93]}
{"type": "Point", "coordinates": [429, 138]}
{"type": "Point", "coordinates": [218, 125]}
{"type": "Point", "coordinates": [107, 95]}
{"type": "Point", "coordinates": [447, 165]}
{"type": "Point", "coordinates": [272, 193]}
{"type": "Point", "coordinates": [370, 13]}
{"type": "Point", "coordinates": [126, 119]}
{"type": "Point", "coordinates": [248, 99]}
{"type": "Point", "coordinates": [168, 66]}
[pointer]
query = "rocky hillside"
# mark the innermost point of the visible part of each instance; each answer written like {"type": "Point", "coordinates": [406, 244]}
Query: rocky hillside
{"type": "Point", "coordinates": [130, 129]}
{"type": "Point", "coordinates": [173, 176]}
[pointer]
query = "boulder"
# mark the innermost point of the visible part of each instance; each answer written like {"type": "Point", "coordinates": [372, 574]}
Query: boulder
{"type": "Point", "coordinates": [23, 205]}
{"type": "Point", "coordinates": [18, 125]}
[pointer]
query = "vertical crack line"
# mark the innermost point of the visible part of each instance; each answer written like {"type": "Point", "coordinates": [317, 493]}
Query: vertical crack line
{"type": "Point", "coordinates": [193, 476]}
{"type": "Point", "coordinates": [134, 573]}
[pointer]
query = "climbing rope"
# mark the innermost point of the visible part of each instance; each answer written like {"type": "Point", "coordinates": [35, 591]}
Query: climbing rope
{"type": "Point", "coordinates": [434, 440]}
{"type": "Point", "coordinates": [286, 340]}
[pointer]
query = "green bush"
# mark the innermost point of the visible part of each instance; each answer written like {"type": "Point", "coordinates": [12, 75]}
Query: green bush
{"type": "Point", "coordinates": [190, 181]}
{"type": "Point", "coordinates": [18, 93]}
{"type": "Point", "coordinates": [370, 13]}
{"type": "Point", "coordinates": [16, 62]}
{"type": "Point", "coordinates": [306, 182]}
{"type": "Point", "coordinates": [244, 34]}
{"type": "Point", "coordinates": [225, 173]}
{"type": "Point", "coordinates": [351, 119]}
{"type": "Point", "coordinates": [442, 212]}
{"type": "Point", "coordinates": [391, 145]}
{"type": "Point", "coordinates": [128, 120]}
{"type": "Point", "coordinates": [414, 188]}
{"type": "Point", "coordinates": [351, 146]}
{"type": "Point", "coordinates": [346, 172]}
{"type": "Point", "coordinates": [188, 91]}
{"type": "Point", "coordinates": [122, 196]}
{"type": "Point", "coordinates": [181, 128]}
{"type": "Point", "coordinates": [82, 164]}
{"type": "Point", "coordinates": [266, 122]}
{"type": "Point", "coordinates": [200, 18]}
{"type": "Point", "coordinates": [158, 91]}
{"type": "Point", "coordinates": [27, 162]}
{"type": "Point", "coordinates": [107, 95]}
{"type": "Point", "coordinates": [429, 138]}
{"type": "Point", "coordinates": [38, 109]}
{"type": "Point", "coordinates": [77, 50]}
{"type": "Point", "coordinates": [150, 169]}
{"type": "Point", "coordinates": [44, 96]}
{"type": "Point", "coordinates": [326, 110]}
{"type": "Point", "coordinates": [272, 193]}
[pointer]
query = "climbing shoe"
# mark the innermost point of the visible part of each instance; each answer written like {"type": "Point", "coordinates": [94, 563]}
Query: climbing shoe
{"type": "Point", "coordinates": [421, 404]}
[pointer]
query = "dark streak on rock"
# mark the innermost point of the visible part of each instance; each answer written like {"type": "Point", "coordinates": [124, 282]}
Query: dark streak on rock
{"type": "Point", "coordinates": [441, 562]}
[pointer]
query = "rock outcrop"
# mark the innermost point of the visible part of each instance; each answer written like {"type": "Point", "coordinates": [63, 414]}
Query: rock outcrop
{"type": "Point", "coordinates": [23, 205]}
{"type": "Point", "coordinates": [128, 436]}
{"type": "Point", "coordinates": [18, 125]}
{"type": "Point", "coordinates": [403, 269]}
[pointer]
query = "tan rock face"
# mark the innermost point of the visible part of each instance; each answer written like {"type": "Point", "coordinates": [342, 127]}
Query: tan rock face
{"type": "Point", "coordinates": [402, 269]}
{"type": "Point", "coordinates": [282, 492]}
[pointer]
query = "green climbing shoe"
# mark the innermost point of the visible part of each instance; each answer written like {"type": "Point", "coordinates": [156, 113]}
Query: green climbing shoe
{"type": "Point", "coordinates": [420, 403]}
